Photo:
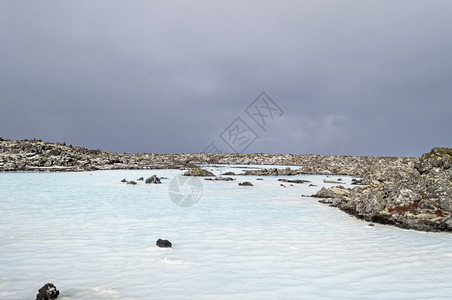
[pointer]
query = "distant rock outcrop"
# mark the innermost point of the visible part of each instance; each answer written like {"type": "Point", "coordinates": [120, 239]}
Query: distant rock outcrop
{"type": "Point", "coordinates": [228, 174]}
{"type": "Point", "coordinates": [245, 183]}
{"type": "Point", "coordinates": [417, 197]}
{"type": "Point", "coordinates": [198, 172]}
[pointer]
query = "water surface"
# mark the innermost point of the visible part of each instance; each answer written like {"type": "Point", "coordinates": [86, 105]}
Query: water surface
{"type": "Point", "coordinates": [94, 238]}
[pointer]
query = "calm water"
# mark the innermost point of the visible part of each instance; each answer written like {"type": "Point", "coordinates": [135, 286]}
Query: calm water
{"type": "Point", "coordinates": [94, 238]}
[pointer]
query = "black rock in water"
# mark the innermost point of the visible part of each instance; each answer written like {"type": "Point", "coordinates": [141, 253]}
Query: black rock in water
{"type": "Point", "coordinates": [131, 182]}
{"type": "Point", "coordinates": [246, 183]}
{"type": "Point", "coordinates": [164, 243]}
{"type": "Point", "coordinates": [47, 292]}
{"type": "Point", "coordinates": [153, 179]}
{"type": "Point", "coordinates": [124, 180]}
{"type": "Point", "coordinates": [139, 179]}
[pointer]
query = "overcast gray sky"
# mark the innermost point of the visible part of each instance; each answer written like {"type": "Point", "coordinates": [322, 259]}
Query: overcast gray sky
{"type": "Point", "coordinates": [351, 77]}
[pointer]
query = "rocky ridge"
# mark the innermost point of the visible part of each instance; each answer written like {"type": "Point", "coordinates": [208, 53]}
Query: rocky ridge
{"type": "Point", "coordinates": [36, 155]}
{"type": "Point", "coordinates": [417, 196]}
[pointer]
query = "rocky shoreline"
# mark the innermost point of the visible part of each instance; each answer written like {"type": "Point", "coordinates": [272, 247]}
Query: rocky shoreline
{"type": "Point", "coordinates": [412, 193]}
{"type": "Point", "coordinates": [416, 197]}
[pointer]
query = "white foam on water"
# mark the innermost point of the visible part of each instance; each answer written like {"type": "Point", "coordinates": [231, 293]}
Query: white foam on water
{"type": "Point", "coordinates": [94, 238]}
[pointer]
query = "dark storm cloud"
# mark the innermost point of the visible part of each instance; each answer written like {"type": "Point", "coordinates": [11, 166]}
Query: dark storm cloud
{"type": "Point", "coordinates": [353, 77]}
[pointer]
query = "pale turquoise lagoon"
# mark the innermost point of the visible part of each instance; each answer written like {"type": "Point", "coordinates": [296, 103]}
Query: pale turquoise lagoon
{"type": "Point", "coordinates": [94, 238]}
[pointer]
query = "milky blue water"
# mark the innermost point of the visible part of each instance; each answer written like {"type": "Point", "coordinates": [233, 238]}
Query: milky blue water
{"type": "Point", "coordinates": [94, 238]}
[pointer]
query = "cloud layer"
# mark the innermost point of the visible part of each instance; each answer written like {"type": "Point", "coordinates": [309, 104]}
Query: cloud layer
{"type": "Point", "coordinates": [352, 77]}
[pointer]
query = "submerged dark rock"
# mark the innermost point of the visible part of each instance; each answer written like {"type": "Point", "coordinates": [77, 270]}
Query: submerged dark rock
{"type": "Point", "coordinates": [131, 182]}
{"type": "Point", "coordinates": [294, 181]}
{"type": "Point", "coordinates": [332, 181]}
{"type": "Point", "coordinates": [245, 183]}
{"type": "Point", "coordinates": [220, 179]}
{"type": "Point", "coordinates": [47, 292]}
{"type": "Point", "coordinates": [164, 243]}
{"type": "Point", "coordinates": [124, 180]}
